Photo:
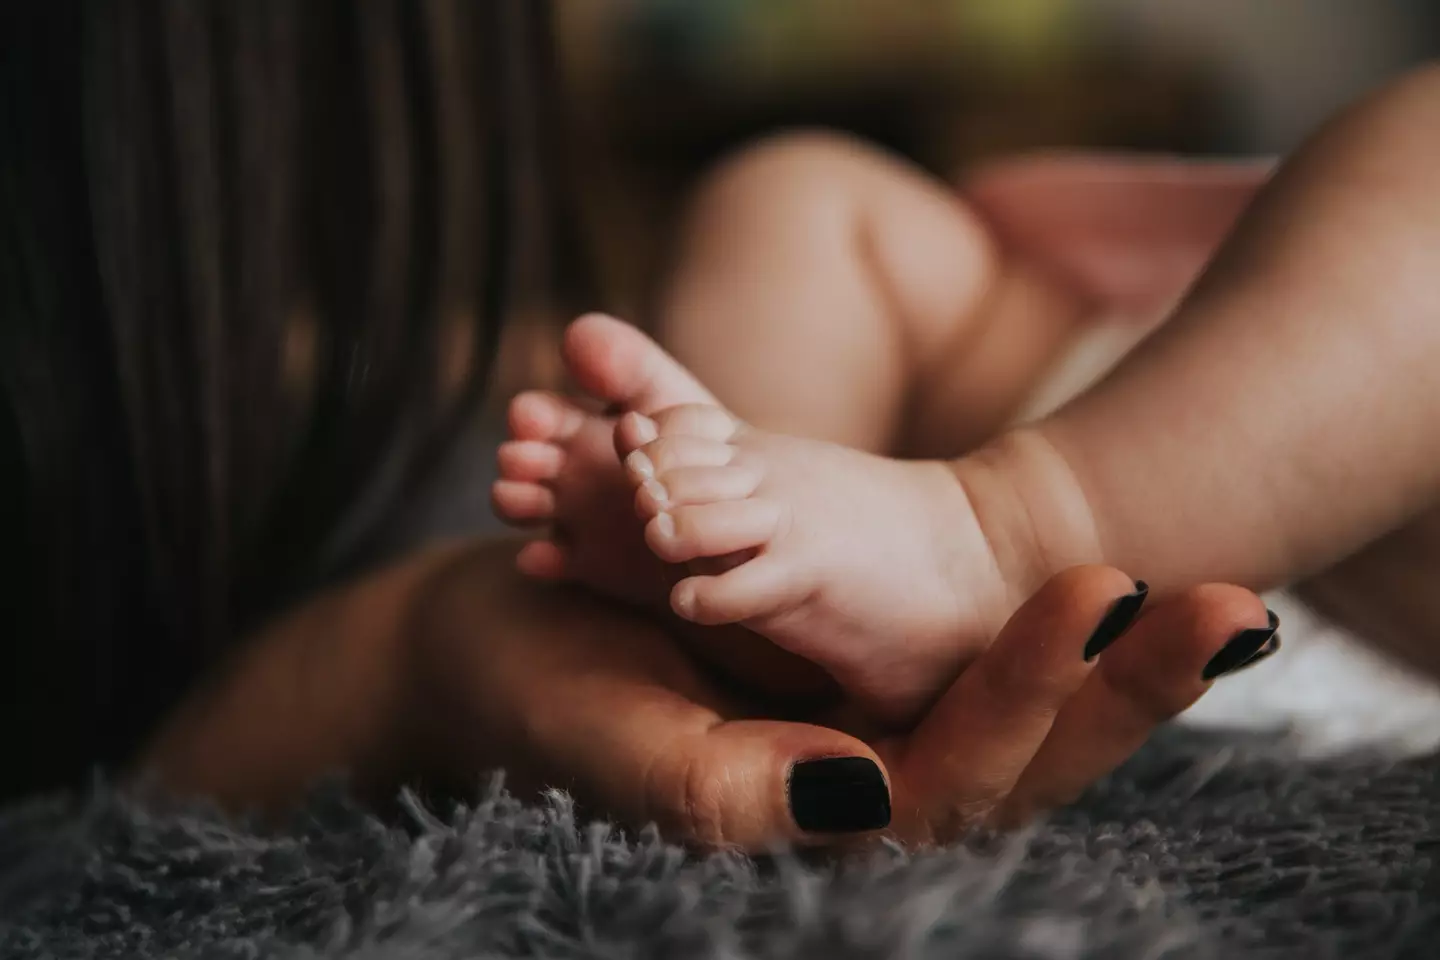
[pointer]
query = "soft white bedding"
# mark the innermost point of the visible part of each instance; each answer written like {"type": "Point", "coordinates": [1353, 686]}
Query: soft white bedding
{"type": "Point", "coordinates": [1324, 684]}
{"type": "Point", "coordinates": [1329, 689]}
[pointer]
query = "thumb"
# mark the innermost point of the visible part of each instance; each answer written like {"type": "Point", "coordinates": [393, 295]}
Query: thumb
{"type": "Point", "coordinates": [753, 784]}
{"type": "Point", "coordinates": [642, 751]}
{"type": "Point", "coordinates": [633, 729]}
{"type": "Point", "coordinates": [574, 694]}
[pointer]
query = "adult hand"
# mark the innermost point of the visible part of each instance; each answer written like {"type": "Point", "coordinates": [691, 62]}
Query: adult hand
{"type": "Point", "coordinates": [1033, 723]}
{"type": "Point", "coordinates": [566, 692]}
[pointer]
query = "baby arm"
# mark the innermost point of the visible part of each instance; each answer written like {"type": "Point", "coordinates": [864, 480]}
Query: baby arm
{"type": "Point", "coordinates": [1287, 414]}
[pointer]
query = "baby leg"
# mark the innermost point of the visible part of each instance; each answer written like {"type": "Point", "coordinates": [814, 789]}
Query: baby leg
{"type": "Point", "coordinates": [1285, 417]}
{"type": "Point", "coordinates": [808, 247]}
{"type": "Point", "coordinates": [828, 290]}
{"type": "Point", "coordinates": [888, 621]}
{"type": "Point", "coordinates": [823, 285]}
{"type": "Point", "coordinates": [919, 333]}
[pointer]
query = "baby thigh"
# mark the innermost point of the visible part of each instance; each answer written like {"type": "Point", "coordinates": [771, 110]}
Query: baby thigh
{"type": "Point", "coordinates": [829, 290]}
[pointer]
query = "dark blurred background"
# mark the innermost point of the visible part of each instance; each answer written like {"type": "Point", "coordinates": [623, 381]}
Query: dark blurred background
{"type": "Point", "coordinates": [659, 89]}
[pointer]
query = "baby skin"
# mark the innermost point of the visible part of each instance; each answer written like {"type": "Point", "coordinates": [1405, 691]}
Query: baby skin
{"type": "Point", "coordinates": [875, 569]}
{"type": "Point", "coordinates": [1280, 420]}
{"type": "Point", "coordinates": [889, 574]}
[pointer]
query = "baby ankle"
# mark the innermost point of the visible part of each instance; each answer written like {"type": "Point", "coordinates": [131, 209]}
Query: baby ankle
{"type": "Point", "coordinates": [1030, 508]}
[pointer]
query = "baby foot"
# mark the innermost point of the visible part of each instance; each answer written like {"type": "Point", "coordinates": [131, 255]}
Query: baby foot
{"type": "Point", "coordinates": [560, 468]}
{"type": "Point", "coordinates": [876, 569]}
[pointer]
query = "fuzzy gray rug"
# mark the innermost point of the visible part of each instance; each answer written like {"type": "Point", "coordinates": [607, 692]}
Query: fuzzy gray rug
{"type": "Point", "coordinates": [1199, 848]}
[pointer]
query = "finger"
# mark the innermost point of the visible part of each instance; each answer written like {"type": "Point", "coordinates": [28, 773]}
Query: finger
{"type": "Point", "coordinates": [572, 692]}
{"type": "Point", "coordinates": [758, 785]}
{"type": "Point", "coordinates": [969, 751]}
{"type": "Point", "coordinates": [1157, 670]}
{"type": "Point", "coordinates": [643, 752]}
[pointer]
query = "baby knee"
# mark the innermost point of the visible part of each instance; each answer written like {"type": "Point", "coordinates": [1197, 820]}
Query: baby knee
{"type": "Point", "coordinates": [799, 150]}
{"type": "Point", "coordinates": [1399, 122]}
{"type": "Point", "coordinates": [1417, 88]}
{"type": "Point", "coordinates": [785, 173]}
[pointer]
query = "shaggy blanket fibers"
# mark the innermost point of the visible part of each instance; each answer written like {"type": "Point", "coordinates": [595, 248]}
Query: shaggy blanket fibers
{"type": "Point", "coordinates": [1200, 847]}
{"type": "Point", "coordinates": [1203, 846]}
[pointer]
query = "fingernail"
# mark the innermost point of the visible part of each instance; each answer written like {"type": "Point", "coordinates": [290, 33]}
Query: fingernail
{"type": "Point", "coordinates": [1270, 649]}
{"type": "Point", "coordinates": [1117, 621]}
{"type": "Point", "coordinates": [665, 525]}
{"type": "Point", "coordinates": [1245, 649]}
{"type": "Point", "coordinates": [838, 795]}
{"type": "Point", "coordinates": [645, 428]}
{"type": "Point", "coordinates": [639, 465]}
{"type": "Point", "coordinates": [657, 491]}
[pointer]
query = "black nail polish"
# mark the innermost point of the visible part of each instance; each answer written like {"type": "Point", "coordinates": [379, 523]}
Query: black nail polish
{"type": "Point", "coordinates": [1245, 649]}
{"type": "Point", "coordinates": [1264, 652]}
{"type": "Point", "coordinates": [1122, 613]}
{"type": "Point", "coordinates": [838, 795]}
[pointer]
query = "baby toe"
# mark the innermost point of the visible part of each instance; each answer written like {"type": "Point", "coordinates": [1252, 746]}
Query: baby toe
{"type": "Point", "coordinates": [542, 559]}
{"type": "Point", "coordinates": [673, 453]}
{"type": "Point", "coordinates": [617, 363]}
{"type": "Point", "coordinates": [696, 420]}
{"type": "Point", "coordinates": [712, 529]}
{"type": "Point", "coordinates": [762, 587]}
{"type": "Point", "coordinates": [544, 416]}
{"type": "Point", "coordinates": [633, 431]}
{"type": "Point", "coordinates": [519, 502]}
{"type": "Point", "coordinates": [533, 461]}
{"type": "Point", "coordinates": [695, 485]}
